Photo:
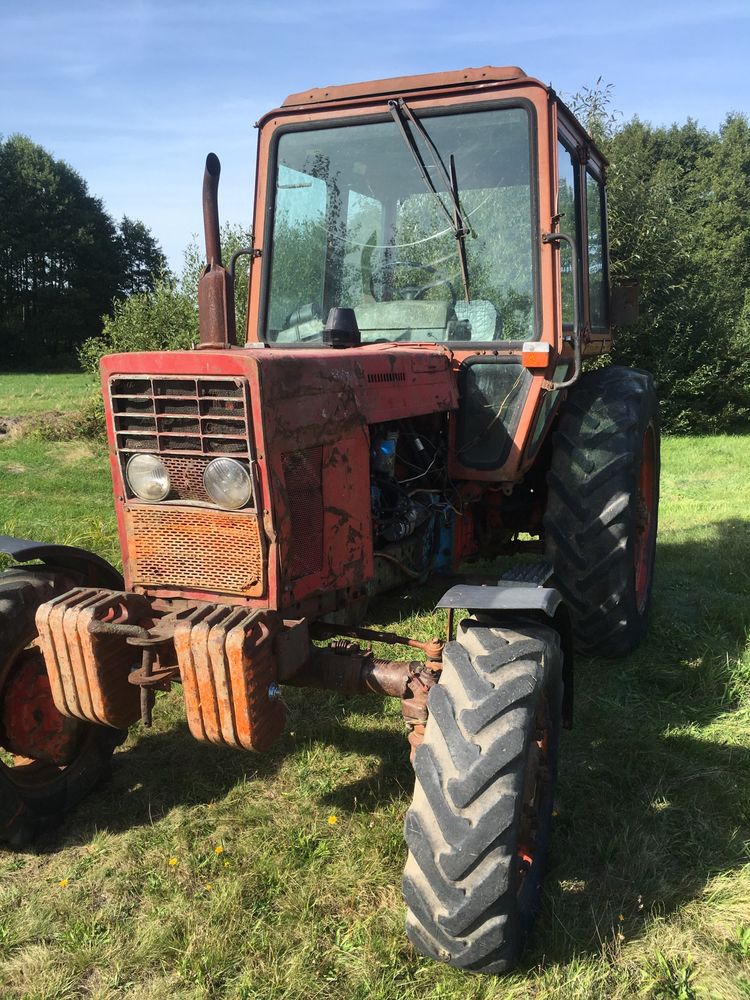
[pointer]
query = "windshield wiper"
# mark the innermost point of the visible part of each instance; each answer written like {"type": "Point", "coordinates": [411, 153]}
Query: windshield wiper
{"type": "Point", "coordinates": [401, 113]}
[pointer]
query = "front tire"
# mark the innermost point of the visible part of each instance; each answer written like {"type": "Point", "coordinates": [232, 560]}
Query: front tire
{"type": "Point", "coordinates": [479, 825]}
{"type": "Point", "coordinates": [602, 508]}
{"type": "Point", "coordinates": [48, 761]}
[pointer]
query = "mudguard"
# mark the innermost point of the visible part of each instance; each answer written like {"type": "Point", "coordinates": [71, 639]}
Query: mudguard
{"type": "Point", "coordinates": [544, 604]}
{"type": "Point", "coordinates": [96, 571]}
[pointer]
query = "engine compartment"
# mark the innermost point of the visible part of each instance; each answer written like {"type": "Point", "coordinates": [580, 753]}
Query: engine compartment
{"type": "Point", "coordinates": [413, 501]}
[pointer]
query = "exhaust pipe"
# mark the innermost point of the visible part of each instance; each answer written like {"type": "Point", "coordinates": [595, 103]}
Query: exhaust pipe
{"type": "Point", "coordinates": [216, 321]}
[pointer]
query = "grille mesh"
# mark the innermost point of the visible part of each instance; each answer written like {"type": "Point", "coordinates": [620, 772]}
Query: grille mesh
{"type": "Point", "coordinates": [303, 474]}
{"type": "Point", "coordinates": [199, 416]}
{"type": "Point", "coordinates": [195, 549]}
{"type": "Point", "coordinates": [186, 477]}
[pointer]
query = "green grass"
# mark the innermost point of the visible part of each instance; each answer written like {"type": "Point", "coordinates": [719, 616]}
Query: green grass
{"type": "Point", "coordinates": [25, 394]}
{"type": "Point", "coordinates": [58, 491]}
{"type": "Point", "coordinates": [649, 889]}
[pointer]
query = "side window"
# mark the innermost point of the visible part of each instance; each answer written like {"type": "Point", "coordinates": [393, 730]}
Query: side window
{"type": "Point", "coordinates": [597, 275]}
{"type": "Point", "coordinates": [566, 209]}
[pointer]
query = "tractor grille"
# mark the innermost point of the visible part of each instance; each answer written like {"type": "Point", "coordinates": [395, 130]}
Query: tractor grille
{"type": "Point", "coordinates": [186, 477]}
{"type": "Point", "coordinates": [303, 474]}
{"type": "Point", "coordinates": [190, 416]}
{"type": "Point", "coordinates": [194, 549]}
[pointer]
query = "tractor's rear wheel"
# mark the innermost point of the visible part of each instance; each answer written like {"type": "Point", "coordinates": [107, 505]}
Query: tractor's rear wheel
{"type": "Point", "coordinates": [48, 761]}
{"type": "Point", "coordinates": [478, 828]}
{"type": "Point", "coordinates": [602, 507]}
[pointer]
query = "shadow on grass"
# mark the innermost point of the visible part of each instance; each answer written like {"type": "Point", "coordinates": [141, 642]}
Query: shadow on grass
{"type": "Point", "coordinates": [166, 769]}
{"type": "Point", "coordinates": [651, 804]}
{"type": "Point", "coordinates": [654, 793]}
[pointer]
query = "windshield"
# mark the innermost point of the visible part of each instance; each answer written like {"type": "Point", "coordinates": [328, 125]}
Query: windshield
{"type": "Point", "coordinates": [356, 225]}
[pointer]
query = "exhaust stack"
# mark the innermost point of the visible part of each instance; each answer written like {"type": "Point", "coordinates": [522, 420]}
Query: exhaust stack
{"type": "Point", "coordinates": [216, 321]}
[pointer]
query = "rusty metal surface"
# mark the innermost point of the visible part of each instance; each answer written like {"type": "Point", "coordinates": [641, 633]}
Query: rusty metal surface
{"type": "Point", "coordinates": [314, 409]}
{"type": "Point", "coordinates": [291, 647]}
{"type": "Point", "coordinates": [195, 548]}
{"type": "Point", "coordinates": [88, 670]}
{"type": "Point", "coordinates": [211, 228]}
{"type": "Point", "coordinates": [345, 668]}
{"type": "Point", "coordinates": [216, 286]}
{"type": "Point", "coordinates": [30, 724]}
{"type": "Point", "coordinates": [414, 703]}
{"type": "Point", "coordinates": [194, 418]}
{"type": "Point", "coordinates": [406, 84]}
{"type": "Point", "coordinates": [433, 648]}
{"type": "Point", "coordinates": [350, 670]}
{"type": "Point", "coordinates": [227, 667]}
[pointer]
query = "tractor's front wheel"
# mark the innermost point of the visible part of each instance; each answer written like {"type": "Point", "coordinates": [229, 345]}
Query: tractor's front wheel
{"type": "Point", "coordinates": [48, 761]}
{"type": "Point", "coordinates": [478, 828]}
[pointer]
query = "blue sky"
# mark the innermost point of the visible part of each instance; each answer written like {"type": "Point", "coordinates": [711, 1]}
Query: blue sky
{"type": "Point", "coordinates": [134, 94]}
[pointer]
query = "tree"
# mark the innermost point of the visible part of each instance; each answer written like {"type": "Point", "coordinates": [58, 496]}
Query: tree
{"type": "Point", "coordinates": [62, 259]}
{"type": "Point", "coordinates": [143, 260]}
{"type": "Point", "coordinates": [165, 317]}
{"type": "Point", "coordinates": [679, 200]}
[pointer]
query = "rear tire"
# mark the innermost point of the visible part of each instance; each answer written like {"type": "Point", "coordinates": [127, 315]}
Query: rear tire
{"type": "Point", "coordinates": [602, 508]}
{"type": "Point", "coordinates": [48, 762]}
{"type": "Point", "coordinates": [478, 828]}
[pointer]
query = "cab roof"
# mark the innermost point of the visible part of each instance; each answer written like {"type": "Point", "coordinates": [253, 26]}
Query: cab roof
{"type": "Point", "coordinates": [399, 84]}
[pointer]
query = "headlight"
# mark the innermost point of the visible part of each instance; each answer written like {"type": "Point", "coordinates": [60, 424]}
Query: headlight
{"type": "Point", "coordinates": [228, 483]}
{"type": "Point", "coordinates": [147, 477]}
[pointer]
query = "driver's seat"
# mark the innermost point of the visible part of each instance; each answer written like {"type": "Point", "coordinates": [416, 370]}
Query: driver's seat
{"type": "Point", "coordinates": [482, 317]}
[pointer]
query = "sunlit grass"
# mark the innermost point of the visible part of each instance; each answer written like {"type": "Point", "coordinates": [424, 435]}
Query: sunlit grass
{"type": "Point", "coordinates": [26, 393]}
{"type": "Point", "coordinates": [649, 889]}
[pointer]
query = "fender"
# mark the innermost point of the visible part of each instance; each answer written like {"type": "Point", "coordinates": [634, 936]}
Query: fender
{"type": "Point", "coordinates": [97, 571]}
{"type": "Point", "coordinates": [543, 604]}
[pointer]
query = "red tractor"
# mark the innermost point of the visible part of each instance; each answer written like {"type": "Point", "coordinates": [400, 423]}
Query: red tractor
{"type": "Point", "coordinates": [429, 269]}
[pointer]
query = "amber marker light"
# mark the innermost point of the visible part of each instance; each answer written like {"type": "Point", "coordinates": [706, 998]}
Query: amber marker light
{"type": "Point", "coordinates": [536, 355]}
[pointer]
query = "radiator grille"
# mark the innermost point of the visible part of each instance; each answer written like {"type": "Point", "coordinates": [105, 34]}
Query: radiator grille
{"type": "Point", "coordinates": [186, 477]}
{"type": "Point", "coordinates": [303, 474]}
{"type": "Point", "coordinates": [192, 416]}
{"type": "Point", "coordinates": [195, 549]}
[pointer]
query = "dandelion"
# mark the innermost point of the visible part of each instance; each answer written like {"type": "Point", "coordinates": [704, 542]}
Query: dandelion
{"type": "Point", "coordinates": [218, 849]}
{"type": "Point", "coordinates": [172, 862]}
{"type": "Point", "coordinates": [209, 886]}
{"type": "Point", "coordinates": [333, 820]}
{"type": "Point", "coordinates": [63, 883]}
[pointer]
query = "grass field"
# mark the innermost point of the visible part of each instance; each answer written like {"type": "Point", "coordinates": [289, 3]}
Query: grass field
{"type": "Point", "coordinates": [202, 873]}
{"type": "Point", "coordinates": [22, 394]}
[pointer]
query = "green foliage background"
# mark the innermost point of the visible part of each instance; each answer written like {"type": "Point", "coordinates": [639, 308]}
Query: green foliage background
{"type": "Point", "coordinates": [63, 259]}
{"type": "Point", "coordinates": [165, 318]}
{"type": "Point", "coordinates": [679, 205]}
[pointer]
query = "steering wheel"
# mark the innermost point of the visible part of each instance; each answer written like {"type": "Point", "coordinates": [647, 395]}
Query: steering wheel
{"type": "Point", "coordinates": [413, 292]}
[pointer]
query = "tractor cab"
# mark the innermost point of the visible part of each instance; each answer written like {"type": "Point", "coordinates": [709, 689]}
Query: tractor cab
{"type": "Point", "coordinates": [465, 212]}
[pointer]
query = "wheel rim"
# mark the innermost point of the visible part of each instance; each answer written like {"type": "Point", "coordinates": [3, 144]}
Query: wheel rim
{"type": "Point", "coordinates": [645, 520]}
{"type": "Point", "coordinates": [536, 781]}
{"type": "Point", "coordinates": [37, 742]}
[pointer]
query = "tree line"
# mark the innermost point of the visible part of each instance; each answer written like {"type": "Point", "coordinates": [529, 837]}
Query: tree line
{"type": "Point", "coordinates": [679, 220]}
{"type": "Point", "coordinates": [63, 259]}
